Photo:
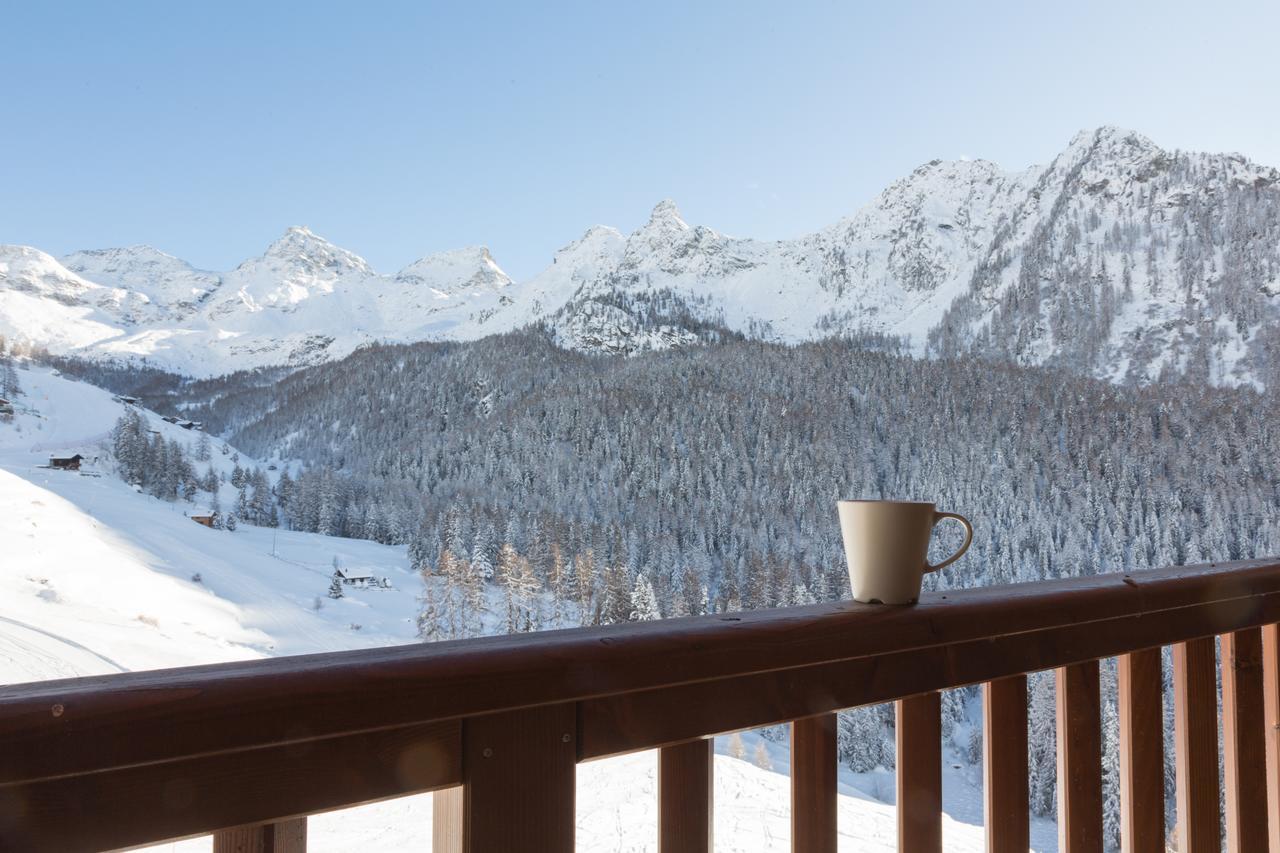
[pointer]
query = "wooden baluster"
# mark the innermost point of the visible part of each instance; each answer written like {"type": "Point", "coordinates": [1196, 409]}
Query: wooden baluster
{"type": "Point", "coordinates": [813, 784]}
{"type": "Point", "coordinates": [446, 820]}
{"type": "Point", "coordinates": [919, 777]}
{"type": "Point", "coordinates": [1079, 758]}
{"type": "Point", "coordinates": [518, 782]}
{"type": "Point", "coordinates": [1243, 741]}
{"type": "Point", "coordinates": [1004, 765]}
{"type": "Point", "coordinates": [1271, 717]}
{"type": "Point", "coordinates": [1195, 714]}
{"type": "Point", "coordinates": [285, 836]}
{"type": "Point", "coordinates": [685, 797]}
{"type": "Point", "coordinates": [1141, 752]}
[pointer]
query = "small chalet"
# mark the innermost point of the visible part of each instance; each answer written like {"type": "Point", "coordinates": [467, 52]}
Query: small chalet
{"type": "Point", "coordinates": [66, 463]}
{"type": "Point", "coordinates": [354, 577]}
{"type": "Point", "coordinates": [204, 517]}
{"type": "Point", "coordinates": [6, 407]}
{"type": "Point", "coordinates": [128, 401]}
{"type": "Point", "coordinates": [191, 424]}
{"type": "Point", "coordinates": [169, 419]}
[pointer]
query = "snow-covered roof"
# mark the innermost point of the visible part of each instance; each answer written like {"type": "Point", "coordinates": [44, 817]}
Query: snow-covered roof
{"type": "Point", "coordinates": [356, 574]}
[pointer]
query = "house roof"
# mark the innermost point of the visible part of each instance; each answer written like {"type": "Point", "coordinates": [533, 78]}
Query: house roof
{"type": "Point", "coordinates": [355, 574]}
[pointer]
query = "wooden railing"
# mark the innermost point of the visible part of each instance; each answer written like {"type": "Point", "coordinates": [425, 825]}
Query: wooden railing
{"type": "Point", "coordinates": [497, 725]}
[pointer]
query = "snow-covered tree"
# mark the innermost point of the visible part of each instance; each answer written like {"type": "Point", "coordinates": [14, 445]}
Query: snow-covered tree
{"type": "Point", "coordinates": [644, 605]}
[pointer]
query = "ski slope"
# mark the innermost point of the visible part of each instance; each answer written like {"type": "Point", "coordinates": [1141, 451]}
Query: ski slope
{"type": "Point", "coordinates": [97, 578]}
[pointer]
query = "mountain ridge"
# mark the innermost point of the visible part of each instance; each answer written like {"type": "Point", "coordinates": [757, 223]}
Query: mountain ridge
{"type": "Point", "coordinates": [1073, 263]}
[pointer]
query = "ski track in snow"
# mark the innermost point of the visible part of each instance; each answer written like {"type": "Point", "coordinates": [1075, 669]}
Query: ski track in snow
{"type": "Point", "coordinates": [108, 661]}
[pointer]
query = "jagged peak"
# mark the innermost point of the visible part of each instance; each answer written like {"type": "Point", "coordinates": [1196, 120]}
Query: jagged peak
{"type": "Point", "coordinates": [476, 257]}
{"type": "Point", "coordinates": [456, 270]}
{"type": "Point", "coordinates": [666, 214]}
{"type": "Point", "coordinates": [593, 236]}
{"type": "Point", "coordinates": [301, 243]}
{"type": "Point", "coordinates": [138, 253]}
{"type": "Point", "coordinates": [1109, 138]}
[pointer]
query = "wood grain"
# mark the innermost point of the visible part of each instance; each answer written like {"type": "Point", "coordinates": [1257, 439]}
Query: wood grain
{"type": "Point", "coordinates": [1243, 741]}
{"type": "Point", "coordinates": [1271, 718]}
{"type": "Point", "coordinates": [519, 783]}
{"type": "Point", "coordinates": [653, 718]}
{"type": "Point", "coordinates": [137, 718]}
{"type": "Point", "coordinates": [1140, 708]}
{"type": "Point", "coordinates": [288, 836]}
{"type": "Point", "coordinates": [155, 802]}
{"type": "Point", "coordinates": [813, 784]}
{"type": "Point", "coordinates": [1004, 765]}
{"type": "Point", "coordinates": [1079, 721]}
{"type": "Point", "coordinates": [686, 797]}
{"type": "Point", "coordinates": [1195, 712]}
{"type": "Point", "coordinates": [114, 760]}
{"type": "Point", "coordinates": [919, 772]}
{"type": "Point", "coordinates": [446, 820]}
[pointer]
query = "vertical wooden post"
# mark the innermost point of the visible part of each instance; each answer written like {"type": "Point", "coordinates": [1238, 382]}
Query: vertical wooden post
{"type": "Point", "coordinates": [1004, 765]}
{"type": "Point", "coordinates": [813, 784]}
{"type": "Point", "coordinates": [1141, 715]}
{"type": "Point", "coordinates": [685, 783]}
{"type": "Point", "coordinates": [446, 820]}
{"type": "Point", "coordinates": [1271, 717]}
{"type": "Point", "coordinates": [1079, 758]}
{"type": "Point", "coordinates": [285, 836]}
{"type": "Point", "coordinates": [1243, 741]}
{"type": "Point", "coordinates": [518, 780]}
{"type": "Point", "coordinates": [919, 777]}
{"type": "Point", "coordinates": [1195, 715]}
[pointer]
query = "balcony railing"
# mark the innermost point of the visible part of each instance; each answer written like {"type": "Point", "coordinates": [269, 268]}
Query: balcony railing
{"type": "Point", "coordinates": [497, 725]}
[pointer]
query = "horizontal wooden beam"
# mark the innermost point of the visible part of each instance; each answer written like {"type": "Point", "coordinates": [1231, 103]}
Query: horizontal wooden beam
{"type": "Point", "coordinates": [137, 805]}
{"type": "Point", "coordinates": [57, 728]}
{"type": "Point", "coordinates": [654, 718]}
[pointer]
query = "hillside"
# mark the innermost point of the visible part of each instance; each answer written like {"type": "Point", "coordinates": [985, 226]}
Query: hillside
{"type": "Point", "coordinates": [1118, 259]}
{"type": "Point", "coordinates": [98, 578]}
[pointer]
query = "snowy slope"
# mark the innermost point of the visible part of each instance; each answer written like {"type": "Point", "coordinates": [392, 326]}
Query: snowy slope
{"type": "Point", "coordinates": [79, 548]}
{"type": "Point", "coordinates": [97, 578]}
{"type": "Point", "coordinates": [1117, 259]}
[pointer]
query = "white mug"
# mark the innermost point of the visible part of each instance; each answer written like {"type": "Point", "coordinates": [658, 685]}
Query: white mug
{"type": "Point", "coordinates": [887, 546]}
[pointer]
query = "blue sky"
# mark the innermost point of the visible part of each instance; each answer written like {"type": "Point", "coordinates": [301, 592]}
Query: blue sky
{"type": "Point", "coordinates": [399, 129]}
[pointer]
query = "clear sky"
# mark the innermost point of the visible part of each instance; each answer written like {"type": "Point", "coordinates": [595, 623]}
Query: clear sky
{"type": "Point", "coordinates": [400, 129]}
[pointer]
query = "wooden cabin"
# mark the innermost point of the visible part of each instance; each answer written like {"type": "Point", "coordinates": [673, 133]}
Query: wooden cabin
{"type": "Point", "coordinates": [355, 577]}
{"type": "Point", "coordinates": [205, 518]}
{"type": "Point", "coordinates": [66, 463]}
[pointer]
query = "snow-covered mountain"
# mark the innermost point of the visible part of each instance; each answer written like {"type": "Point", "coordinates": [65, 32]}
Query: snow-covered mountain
{"type": "Point", "coordinates": [303, 300]}
{"type": "Point", "coordinates": [1117, 259]}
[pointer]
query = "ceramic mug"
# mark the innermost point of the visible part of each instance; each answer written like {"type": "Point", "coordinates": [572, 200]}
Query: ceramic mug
{"type": "Point", "coordinates": [887, 546]}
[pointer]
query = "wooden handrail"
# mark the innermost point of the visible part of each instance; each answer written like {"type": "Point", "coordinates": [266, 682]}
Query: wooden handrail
{"type": "Point", "coordinates": [285, 724]}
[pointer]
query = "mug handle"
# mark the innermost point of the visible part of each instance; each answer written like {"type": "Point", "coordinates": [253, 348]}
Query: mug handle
{"type": "Point", "coordinates": [968, 538]}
